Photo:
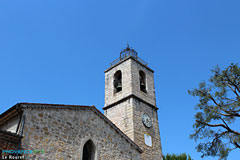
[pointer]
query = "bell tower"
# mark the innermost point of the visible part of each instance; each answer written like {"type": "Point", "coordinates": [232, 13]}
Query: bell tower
{"type": "Point", "coordinates": [130, 102]}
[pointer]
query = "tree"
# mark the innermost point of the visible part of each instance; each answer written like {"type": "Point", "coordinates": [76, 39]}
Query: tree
{"type": "Point", "coordinates": [218, 112]}
{"type": "Point", "coordinates": [182, 156]}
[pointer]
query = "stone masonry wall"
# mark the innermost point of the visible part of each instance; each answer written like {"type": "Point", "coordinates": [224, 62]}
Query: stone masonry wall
{"type": "Point", "coordinates": [6, 145]}
{"type": "Point", "coordinates": [130, 83]}
{"type": "Point", "coordinates": [127, 115]}
{"type": "Point", "coordinates": [61, 133]}
{"type": "Point", "coordinates": [150, 95]}
{"type": "Point", "coordinates": [150, 153]}
{"type": "Point", "coordinates": [122, 116]}
{"type": "Point", "coordinates": [110, 96]}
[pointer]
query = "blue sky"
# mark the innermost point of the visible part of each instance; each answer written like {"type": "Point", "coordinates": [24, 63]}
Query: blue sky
{"type": "Point", "coordinates": [55, 51]}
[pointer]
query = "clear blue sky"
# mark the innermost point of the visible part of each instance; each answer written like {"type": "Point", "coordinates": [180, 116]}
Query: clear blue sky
{"type": "Point", "coordinates": [55, 51]}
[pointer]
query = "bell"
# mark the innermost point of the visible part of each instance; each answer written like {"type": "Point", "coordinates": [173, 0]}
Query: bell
{"type": "Point", "coordinates": [119, 85]}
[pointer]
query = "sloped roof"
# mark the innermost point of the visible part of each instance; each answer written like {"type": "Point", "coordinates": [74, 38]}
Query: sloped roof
{"type": "Point", "coordinates": [9, 141]}
{"type": "Point", "coordinates": [18, 108]}
{"type": "Point", "coordinates": [9, 136]}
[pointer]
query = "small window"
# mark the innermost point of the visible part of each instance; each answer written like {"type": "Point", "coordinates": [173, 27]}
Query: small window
{"type": "Point", "coordinates": [142, 79]}
{"type": "Point", "coordinates": [89, 151]}
{"type": "Point", "coordinates": [117, 82]}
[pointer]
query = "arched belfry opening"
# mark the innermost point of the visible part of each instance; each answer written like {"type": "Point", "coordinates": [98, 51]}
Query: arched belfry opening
{"type": "Point", "coordinates": [89, 151]}
{"type": "Point", "coordinates": [142, 79]}
{"type": "Point", "coordinates": [117, 82]}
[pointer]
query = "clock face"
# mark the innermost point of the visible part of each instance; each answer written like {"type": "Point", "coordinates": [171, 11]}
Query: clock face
{"type": "Point", "coordinates": [147, 121]}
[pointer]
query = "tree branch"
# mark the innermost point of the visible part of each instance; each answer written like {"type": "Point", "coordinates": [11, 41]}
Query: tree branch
{"type": "Point", "coordinates": [225, 98]}
{"type": "Point", "coordinates": [236, 87]}
{"type": "Point", "coordinates": [234, 91]}
{"type": "Point", "coordinates": [236, 144]}
{"type": "Point", "coordinates": [214, 101]}
{"type": "Point", "coordinates": [219, 125]}
{"type": "Point", "coordinates": [219, 103]}
{"type": "Point", "coordinates": [229, 113]}
{"type": "Point", "coordinates": [224, 122]}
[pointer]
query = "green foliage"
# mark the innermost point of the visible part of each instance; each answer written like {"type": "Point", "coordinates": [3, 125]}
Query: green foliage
{"type": "Point", "coordinates": [182, 156]}
{"type": "Point", "coordinates": [218, 109]}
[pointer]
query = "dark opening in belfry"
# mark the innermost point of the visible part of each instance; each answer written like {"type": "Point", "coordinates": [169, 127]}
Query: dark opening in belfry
{"type": "Point", "coordinates": [117, 82]}
{"type": "Point", "coordinates": [142, 79]}
{"type": "Point", "coordinates": [89, 150]}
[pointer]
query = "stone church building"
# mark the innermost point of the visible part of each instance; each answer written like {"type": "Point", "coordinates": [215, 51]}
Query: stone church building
{"type": "Point", "coordinates": [128, 129]}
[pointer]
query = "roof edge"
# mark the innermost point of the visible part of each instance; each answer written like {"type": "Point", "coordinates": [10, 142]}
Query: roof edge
{"type": "Point", "coordinates": [93, 108]}
{"type": "Point", "coordinates": [129, 57]}
{"type": "Point", "coordinates": [10, 113]}
{"type": "Point", "coordinates": [11, 134]}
